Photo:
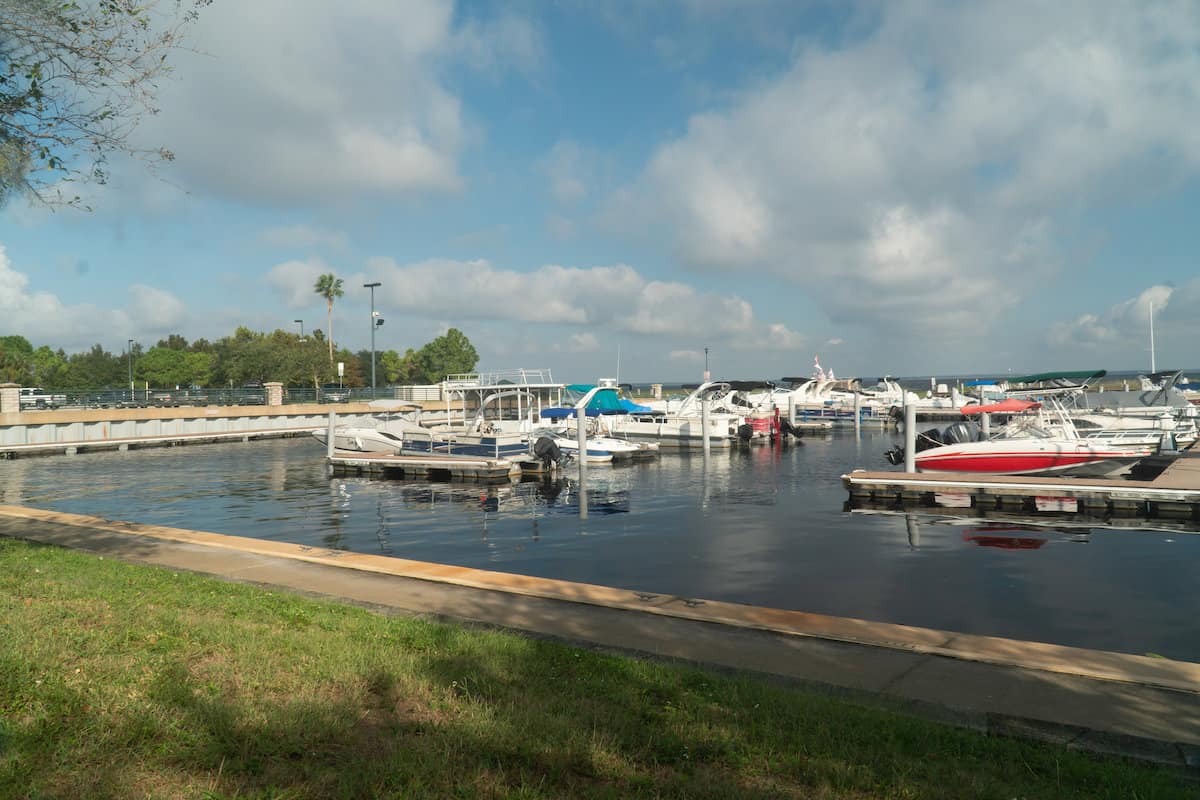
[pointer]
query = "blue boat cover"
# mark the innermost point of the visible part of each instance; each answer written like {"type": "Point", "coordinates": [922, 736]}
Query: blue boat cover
{"type": "Point", "coordinates": [634, 408]}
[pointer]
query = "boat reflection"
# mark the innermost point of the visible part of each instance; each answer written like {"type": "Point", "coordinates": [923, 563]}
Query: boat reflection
{"type": "Point", "coordinates": [1004, 537]}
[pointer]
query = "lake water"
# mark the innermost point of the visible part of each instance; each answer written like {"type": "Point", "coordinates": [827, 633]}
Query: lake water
{"type": "Point", "coordinates": [757, 525]}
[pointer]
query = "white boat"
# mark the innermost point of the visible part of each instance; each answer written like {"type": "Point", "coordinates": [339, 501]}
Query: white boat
{"type": "Point", "coordinates": [394, 420]}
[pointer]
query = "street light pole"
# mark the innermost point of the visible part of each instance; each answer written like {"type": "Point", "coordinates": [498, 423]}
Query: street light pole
{"type": "Point", "coordinates": [374, 324]}
{"type": "Point", "coordinates": [706, 364]}
{"type": "Point", "coordinates": [129, 345]}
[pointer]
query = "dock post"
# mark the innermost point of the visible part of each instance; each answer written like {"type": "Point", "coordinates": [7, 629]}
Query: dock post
{"type": "Point", "coordinates": [791, 409]}
{"type": "Point", "coordinates": [581, 439]}
{"type": "Point", "coordinates": [910, 434]}
{"type": "Point", "coordinates": [986, 420]}
{"type": "Point", "coordinates": [329, 436]}
{"type": "Point", "coordinates": [857, 414]}
{"type": "Point", "coordinates": [704, 425]}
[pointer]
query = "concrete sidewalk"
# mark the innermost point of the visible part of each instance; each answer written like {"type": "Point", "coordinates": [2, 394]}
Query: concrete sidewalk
{"type": "Point", "coordinates": [1144, 708]}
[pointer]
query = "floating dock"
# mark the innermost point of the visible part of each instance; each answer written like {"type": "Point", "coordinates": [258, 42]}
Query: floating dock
{"type": "Point", "coordinates": [1174, 494]}
{"type": "Point", "coordinates": [437, 467]}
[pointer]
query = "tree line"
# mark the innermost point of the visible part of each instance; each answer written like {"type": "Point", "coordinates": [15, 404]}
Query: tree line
{"type": "Point", "coordinates": [241, 358]}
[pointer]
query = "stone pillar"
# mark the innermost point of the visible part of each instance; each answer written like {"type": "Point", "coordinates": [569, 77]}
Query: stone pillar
{"type": "Point", "coordinates": [274, 393]}
{"type": "Point", "coordinates": [10, 398]}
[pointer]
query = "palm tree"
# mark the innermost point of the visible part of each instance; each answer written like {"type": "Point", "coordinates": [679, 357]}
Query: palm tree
{"type": "Point", "coordinates": [329, 286]}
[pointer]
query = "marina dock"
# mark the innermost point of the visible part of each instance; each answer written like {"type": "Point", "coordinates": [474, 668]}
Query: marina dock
{"type": "Point", "coordinates": [1173, 494]}
{"type": "Point", "coordinates": [438, 467]}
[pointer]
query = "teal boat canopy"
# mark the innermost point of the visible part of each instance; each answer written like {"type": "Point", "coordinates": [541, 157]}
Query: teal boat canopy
{"type": "Point", "coordinates": [604, 401]}
{"type": "Point", "coordinates": [1082, 376]}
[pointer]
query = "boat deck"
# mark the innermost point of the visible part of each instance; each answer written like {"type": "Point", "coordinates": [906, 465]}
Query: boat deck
{"type": "Point", "coordinates": [1174, 494]}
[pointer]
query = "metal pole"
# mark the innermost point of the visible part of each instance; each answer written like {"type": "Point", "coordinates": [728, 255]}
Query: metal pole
{"type": "Point", "coordinates": [857, 414]}
{"type": "Point", "coordinates": [130, 348]}
{"type": "Point", "coordinates": [704, 424]}
{"type": "Point", "coordinates": [910, 433]}
{"type": "Point", "coordinates": [791, 409]}
{"type": "Point", "coordinates": [372, 286]}
{"type": "Point", "coordinates": [329, 436]}
{"type": "Point", "coordinates": [987, 424]}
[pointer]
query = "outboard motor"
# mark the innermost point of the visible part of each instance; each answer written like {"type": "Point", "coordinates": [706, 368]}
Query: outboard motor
{"type": "Point", "coordinates": [895, 456]}
{"type": "Point", "coordinates": [961, 433]}
{"type": "Point", "coordinates": [548, 451]}
{"type": "Point", "coordinates": [745, 432]}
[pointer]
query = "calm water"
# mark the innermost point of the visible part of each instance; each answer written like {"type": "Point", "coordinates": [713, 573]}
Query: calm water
{"type": "Point", "coordinates": [758, 525]}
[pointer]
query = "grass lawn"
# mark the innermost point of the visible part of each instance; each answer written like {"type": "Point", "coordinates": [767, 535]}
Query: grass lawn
{"type": "Point", "coordinates": [123, 681]}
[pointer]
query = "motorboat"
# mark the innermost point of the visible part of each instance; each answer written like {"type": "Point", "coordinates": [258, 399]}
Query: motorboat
{"type": "Point", "coordinates": [394, 418]}
{"type": "Point", "coordinates": [1029, 448]}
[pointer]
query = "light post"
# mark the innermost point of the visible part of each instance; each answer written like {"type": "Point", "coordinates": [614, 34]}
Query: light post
{"type": "Point", "coordinates": [706, 364]}
{"type": "Point", "coordinates": [376, 321]}
{"type": "Point", "coordinates": [129, 347]}
{"type": "Point", "coordinates": [300, 322]}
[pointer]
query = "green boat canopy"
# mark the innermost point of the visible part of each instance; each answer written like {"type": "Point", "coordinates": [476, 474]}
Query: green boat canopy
{"type": "Point", "coordinates": [1082, 376]}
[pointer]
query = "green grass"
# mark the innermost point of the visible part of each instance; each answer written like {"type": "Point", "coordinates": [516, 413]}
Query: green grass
{"type": "Point", "coordinates": [121, 681]}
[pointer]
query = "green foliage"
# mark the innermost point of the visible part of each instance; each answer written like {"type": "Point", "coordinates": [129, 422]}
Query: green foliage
{"type": "Point", "coordinates": [75, 79]}
{"type": "Point", "coordinates": [166, 367]}
{"type": "Point", "coordinates": [449, 354]}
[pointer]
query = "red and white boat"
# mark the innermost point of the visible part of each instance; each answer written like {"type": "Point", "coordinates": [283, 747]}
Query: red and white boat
{"type": "Point", "coordinates": [1039, 450]}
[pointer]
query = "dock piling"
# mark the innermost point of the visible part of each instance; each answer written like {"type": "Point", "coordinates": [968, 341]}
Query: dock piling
{"type": "Point", "coordinates": [581, 438]}
{"type": "Point", "coordinates": [857, 414]}
{"type": "Point", "coordinates": [329, 436]}
{"type": "Point", "coordinates": [910, 433]}
{"type": "Point", "coordinates": [704, 426]}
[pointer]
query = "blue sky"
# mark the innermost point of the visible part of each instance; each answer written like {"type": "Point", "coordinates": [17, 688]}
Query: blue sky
{"type": "Point", "coordinates": [901, 187]}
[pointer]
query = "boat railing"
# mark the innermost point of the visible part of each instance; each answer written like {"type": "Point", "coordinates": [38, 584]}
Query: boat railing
{"type": "Point", "coordinates": [510, 377]}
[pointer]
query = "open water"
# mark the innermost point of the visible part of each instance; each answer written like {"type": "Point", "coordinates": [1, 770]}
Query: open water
{"type": "Point", "coordinates": [759, 525]}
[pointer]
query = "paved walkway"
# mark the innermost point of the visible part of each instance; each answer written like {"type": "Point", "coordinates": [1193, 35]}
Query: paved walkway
{"type": "Point", "coordinates": [1145, 708]}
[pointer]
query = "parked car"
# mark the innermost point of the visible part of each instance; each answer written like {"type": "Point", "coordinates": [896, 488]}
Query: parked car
{"type": "Point", "coordinates": [253, 394]}
{"type": "Point", "coordinates": [36, 397]}
{"type": "Point", "coordinates": [334, 393]}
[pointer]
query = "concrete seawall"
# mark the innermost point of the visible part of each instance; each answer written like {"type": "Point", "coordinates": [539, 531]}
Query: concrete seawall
{"type": "Point", "coordinates": [76, 430]}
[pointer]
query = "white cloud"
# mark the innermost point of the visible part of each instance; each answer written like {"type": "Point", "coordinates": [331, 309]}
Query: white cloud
{"type": "Point", "coordinates": [295, 102]}
{"type": "Point", "coordinates": [1126, 321]}
{"type": "Point", "coordinates": [44, 319]}
{"type": "Point", "coordinates": [583, 343]}
{"type": "Point", "coordinates": [302, 237]}
{"type": "Point", "coordinates": [294, 280]}
{"type": "Point", "coordinates": [611, 299]}
{"type": "Point", "coordinates": [916, 178]}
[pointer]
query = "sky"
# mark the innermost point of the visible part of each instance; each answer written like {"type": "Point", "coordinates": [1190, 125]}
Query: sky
{"type": "Point", "coordinates": [608, 188]}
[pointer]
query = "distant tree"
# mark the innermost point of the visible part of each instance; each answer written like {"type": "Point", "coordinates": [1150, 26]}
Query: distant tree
{"type": "Point", "coordinates": [75, 80]}
{"type": "Point", "coordinates": [16, 359]}
{"type": "Point", "coordinates": [166, 367]}
{"type": "Point", "coordinates": [449, 354]}
{"type": "Point", "coordinates": [49, 367]}
{"type": "Point", "coordinates": [173, 342]}
{"type": "Point", "coordinates": [329, 286]}
{"type": "Point", "coordinates": [97, 368]}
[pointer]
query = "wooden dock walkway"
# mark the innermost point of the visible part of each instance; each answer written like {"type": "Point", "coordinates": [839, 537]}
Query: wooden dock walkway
{"type": "Point", "coordinates": [438, 467]}
{"type": "Point", "coordinates": [1174, 494]}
